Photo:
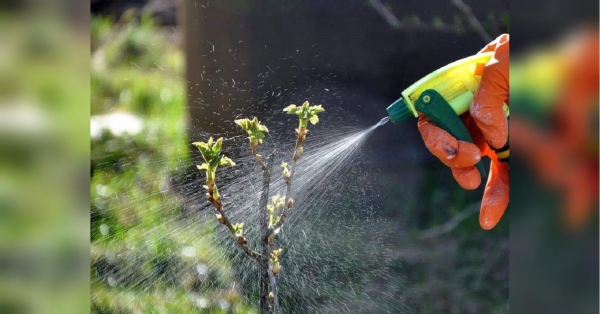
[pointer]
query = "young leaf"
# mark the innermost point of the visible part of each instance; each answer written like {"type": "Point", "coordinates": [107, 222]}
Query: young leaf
{"type": "Point", "coordinates": [291, 109]}
{"type": "Point", "coordinates": [211, 153]}
{"type": "Point", "coordinates": [216, 194]}
{"type": "Point", "coordinates": [226, 161]}
{"type": "Point", "coordinates": [243, 123]}
{"type": "Point", "coordinates": [316, 109]}
{"type": "Point", "coordinates": [217, 146]}
{"type": "Point", "coordinates": [271, 220]}
{"type": "Point", "coordinates": [276, 268]}
{"type": "Point", "coordinates": [239, 230]}
{"type": "Point", "coordinates": [204, 150]}
{"type": "Point", "coordinates": [305, 113]}
{"type": "Point", "coordinates": [254, 129]}
{"type": "Point", "coordinates": [274, 256]}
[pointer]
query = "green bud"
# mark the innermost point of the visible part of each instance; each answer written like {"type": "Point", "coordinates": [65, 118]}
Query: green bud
{"type": "Point", "coordinates": [254, 129]}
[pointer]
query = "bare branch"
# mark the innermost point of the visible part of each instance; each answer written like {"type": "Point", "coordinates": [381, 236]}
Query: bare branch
{"type": "Point", "coordinates": [264, 233]}
{"type": "Point", "coordinates": [398, 24]}
{"type": "Point", "coordinates": [387, 15]}
{"type": "Point", "coordinates": [242, 242]}
{"type": "Point", "coordinates": [300, 138]}
{"type": "Point", "coordinates": [288, 205]}
{"type": "Point", "coordinates": [475, 24]}
{"type": "Point", "coordinates": [490, 262]}
{"type": "Point", "coordinates": [276, 309]}
{"type": "Point", "coordinates": [451, 224]}
{"type": "Point", "coordinates": [260, 162]}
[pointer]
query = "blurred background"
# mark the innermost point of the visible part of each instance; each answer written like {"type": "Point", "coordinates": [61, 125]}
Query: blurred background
{"type": "Point", "coordinates": [44, 157]}
{"type": "Point", "coordinates": [166, 73]}
{"type": "Point", "coordinates": [554, 163]}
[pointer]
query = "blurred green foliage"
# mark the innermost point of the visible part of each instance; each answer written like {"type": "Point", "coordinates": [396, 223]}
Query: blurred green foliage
{"type": "Point", "coordinates": [43, 92]}
{"type": "Point", "coordinates": [145, 257]}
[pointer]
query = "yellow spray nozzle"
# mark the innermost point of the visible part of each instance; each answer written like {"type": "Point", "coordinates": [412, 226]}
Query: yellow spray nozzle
{"type": "Point", "coordinates": [443, 96]}
{"type": "Point", "coordinates": [456, 82]}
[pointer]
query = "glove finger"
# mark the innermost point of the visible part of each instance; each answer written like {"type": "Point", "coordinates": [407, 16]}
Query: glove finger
{"type": "Point", "coordinates": [467, 156]}
{"type": "Point", "coordinates": [468, 178]}
{"type": "Point", "coordinates": [486, 108]}
{"type": "Point", "coordinates": [578, 190]}
{"type": "Point", "coordinates": [493, 124]}
{"type": "Point", "coordinates": [495, 197]}
{"type": "Point", "coordinates": [439, 142]}
{"type": "Point", "coordinates": [452, 152]}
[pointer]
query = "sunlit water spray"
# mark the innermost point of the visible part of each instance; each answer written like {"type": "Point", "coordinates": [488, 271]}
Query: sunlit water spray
{"type": "Point", "coordinates": [332, 235]}
{"type": "Point", "coordinates": [321, 172]}
{"type": "Point", "coordinates": [331, 185]}
{"type": "Point", "coordinates": [328, 243]}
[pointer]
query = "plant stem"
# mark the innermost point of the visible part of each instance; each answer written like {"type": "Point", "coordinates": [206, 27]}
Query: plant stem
{"type": "Point", "coordinates": [475, 24]}
{"type": "Point", "coordinates": [286, 208]}
{"type": "Point", "coordinates": [389, 17]}
{"type": "Point", "coordinates": [288, 193]}
{"type": "Point", "coordinates": [264, 234]}
{"type": "Point", "coordinates": [218, 204]}
{"type": "Point", "coordinates": [276, 309]}
{"type": "Point", "coordinates": [398, 24]}
{"type": "Point", "coordinates": [300, 139]}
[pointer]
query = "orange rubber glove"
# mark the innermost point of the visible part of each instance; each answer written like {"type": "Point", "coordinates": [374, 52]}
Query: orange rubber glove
{"type": "Point", "coordinates": [488, 125]}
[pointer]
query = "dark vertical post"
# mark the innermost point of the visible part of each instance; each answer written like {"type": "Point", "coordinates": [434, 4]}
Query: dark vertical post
{"type": "Point", "coordinates": [209, 34]}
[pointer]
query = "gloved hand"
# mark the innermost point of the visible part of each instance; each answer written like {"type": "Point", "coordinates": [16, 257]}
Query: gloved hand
{"type": "Point", "coordinates": [488, 126]}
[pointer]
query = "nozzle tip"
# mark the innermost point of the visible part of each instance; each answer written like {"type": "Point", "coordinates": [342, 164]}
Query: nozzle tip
{"type": "Point", "coordinates": [398, 111]}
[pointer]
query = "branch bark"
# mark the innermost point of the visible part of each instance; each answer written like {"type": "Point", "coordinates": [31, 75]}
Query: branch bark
{"type": "Point", "coordinates": [286, 207]}
{"type": "Point", "coordinates": [389, 17]}
{"type": "Point", "coordinates": [450, 224]}
{"type": "Point", "coordinates": [475, 24]}
{"type": "Point", "coordinates": [489, 263]}
{"type": "Point", "coordinates": [242, 242]}
{"type": "Point", "coordinates": [301, 136]}
{"type": "Point", "coordinates": [394, 22]}
{"type": "Point", "coordinates": [301, 133]}
{"type": "Point", "coordinates": [276, 309]}
{"type": "Point", "coordinates": [264, 233]}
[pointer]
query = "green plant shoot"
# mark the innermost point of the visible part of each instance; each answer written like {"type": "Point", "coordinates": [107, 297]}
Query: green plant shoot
{"type": "Point", "coordinates": [256, 131]}
{"type": "Point", "coordinates": [276, 203]}
{"type": "Point", "coordinates": [305, 113]}
{"type": "Point", "coordinates": [274, 259]}
{"type": "Point", "coordinates": [211, 153]}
